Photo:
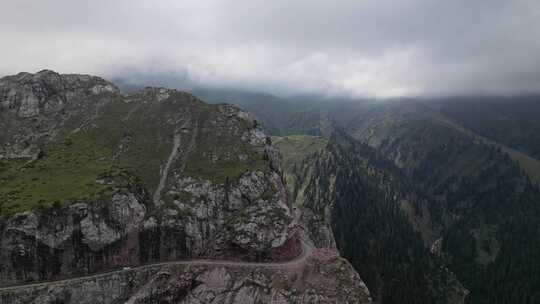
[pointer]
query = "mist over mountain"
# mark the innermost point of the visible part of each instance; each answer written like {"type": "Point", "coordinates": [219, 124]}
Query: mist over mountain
{"type": "Point", "coordinates": [349, 48]}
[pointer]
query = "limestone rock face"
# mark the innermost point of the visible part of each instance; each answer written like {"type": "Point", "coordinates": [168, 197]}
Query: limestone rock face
{"type": "Point", "coordinates": [253, 214]}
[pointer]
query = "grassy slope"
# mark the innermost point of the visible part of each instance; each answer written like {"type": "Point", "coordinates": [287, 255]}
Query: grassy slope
{"type": "Point", "coordinates": [127, 143]}
{"type": "Point", "coordinates": [513, 121]}
{"type": "Point", "coordinates": [530, 165]}
{"type": "Point", "coordinates": [81, 165]}
{"type": "Point", "coordinates": [295, 147]}
{"type": "Point", "coordinates": [216, 155]}
{"type": "Point", "coordinates": [61, 175]}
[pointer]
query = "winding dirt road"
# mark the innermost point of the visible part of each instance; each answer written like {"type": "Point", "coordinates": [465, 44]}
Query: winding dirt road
{"type": "Point", "coordinates": [307, 250]}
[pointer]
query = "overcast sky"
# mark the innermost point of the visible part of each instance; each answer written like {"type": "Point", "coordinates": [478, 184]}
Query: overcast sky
{"type": "Point", "coordinates": [377, 48]}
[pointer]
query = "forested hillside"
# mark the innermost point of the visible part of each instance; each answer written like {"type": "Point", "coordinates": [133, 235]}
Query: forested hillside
{"type": "Point", "coordinates": [463, 197]}
{"type": "Point", "coordinates": [513, 121]}
{"type": "Point", "coordinates": [361, 196]}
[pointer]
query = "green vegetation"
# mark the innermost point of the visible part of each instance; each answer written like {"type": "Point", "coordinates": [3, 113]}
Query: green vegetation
{"type": "Point", "coordinates": [512, 121]}
{"type": "Point", "coordinates": [369, 227]}
{"type": "Point", "coordinates": [458, 181]}
{"type": "Point", "coordinates": [220, 155]}
{"type": "Point", "coordinates": [241, 217]}
{"type": "Point", "coordinates": [312, 122]}
{"type": "Point", "coordinates": [125, 143]}
{"type": "Point", "coordinates": [266, 195]}
{"type": "Point", "coordinates": [480, 199]}
{"type": "Point", "coordinates": [62, 174]}
{"type": "Point", "coordinates": [140, 143]}
{"type": "Point", "coordinates": [295, 147]}
{"type": "Point", "coordinates": [182, 196]}
{"type": "Point", "coordinates": [280, 284]}
{"type": "Point", "coordinates": [484, 205]}
{"type": "Point", "coordinates": [530, 165]}
{"type": "Point", "coordinates": [221, 171]}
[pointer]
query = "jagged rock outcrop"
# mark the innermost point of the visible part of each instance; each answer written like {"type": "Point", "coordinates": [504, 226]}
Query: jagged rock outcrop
{"type": "Point", "coordinates": [28, 95]}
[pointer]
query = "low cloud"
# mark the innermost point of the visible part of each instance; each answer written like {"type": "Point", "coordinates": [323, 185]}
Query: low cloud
{"type": "Point", "coordinates": [376, 48]}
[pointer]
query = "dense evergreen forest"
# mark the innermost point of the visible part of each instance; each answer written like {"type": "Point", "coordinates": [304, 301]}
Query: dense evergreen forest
{"type": "Point", "coordinates": [513, 121]}
{"type": "Point", "coordinates": [488, 222]}
{"type": "Point", "coordinates": [369, 227]}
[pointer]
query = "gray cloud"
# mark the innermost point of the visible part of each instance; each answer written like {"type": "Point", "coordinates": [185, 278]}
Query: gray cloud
{"type": "Point", "coordinates": [376, 48]}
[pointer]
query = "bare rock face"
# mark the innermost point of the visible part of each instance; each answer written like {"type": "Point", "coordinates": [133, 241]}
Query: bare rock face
{"type": "Point", "coordinates": [71, 240]}
{"type": "Point", "coordinates": [252, 214]}
{"type": "Point", "coordinates": [45, 92]}
{"type": "Point", "coordinates": [34, 108]}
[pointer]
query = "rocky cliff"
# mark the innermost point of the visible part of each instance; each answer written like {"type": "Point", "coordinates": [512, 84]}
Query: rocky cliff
{"type": "Point", "coordinates": [92, 181]}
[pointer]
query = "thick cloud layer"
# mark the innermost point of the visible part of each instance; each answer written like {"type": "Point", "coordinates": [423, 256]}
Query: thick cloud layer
{"type": "Point", "coordinates": [378, 48]}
